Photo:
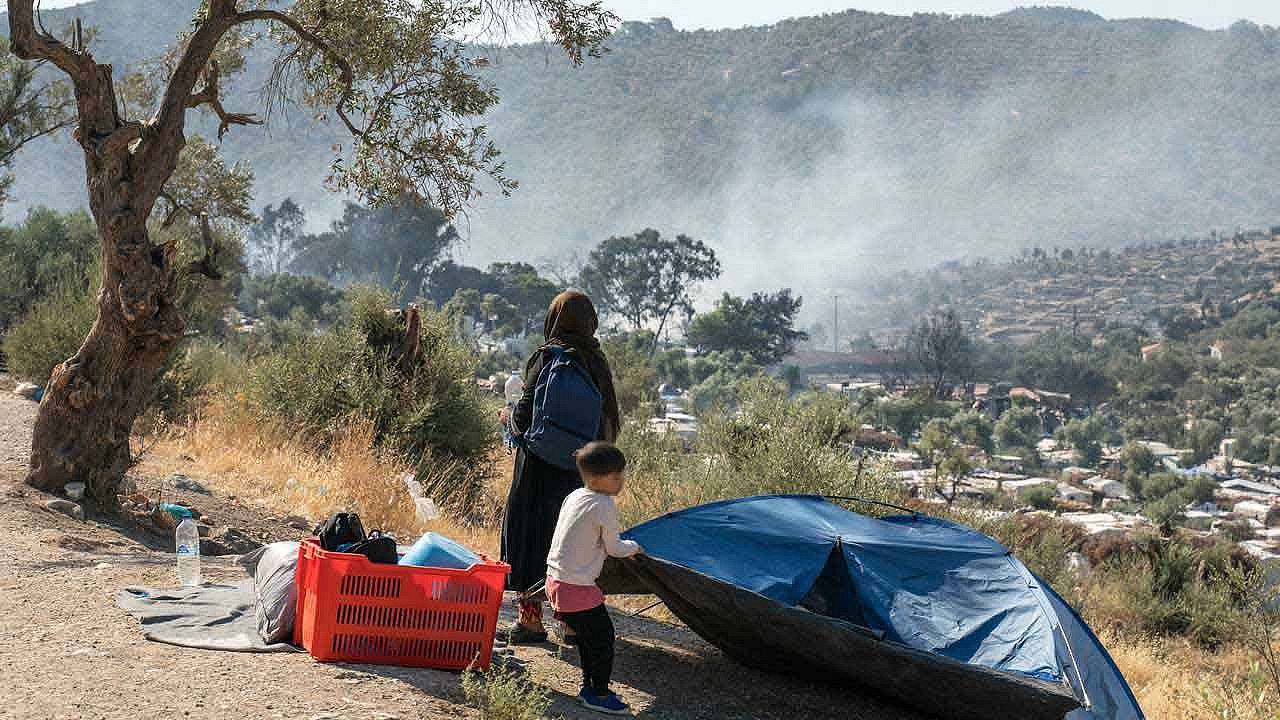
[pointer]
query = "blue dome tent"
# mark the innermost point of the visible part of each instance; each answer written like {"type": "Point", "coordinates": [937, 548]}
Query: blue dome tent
{"type": "Point", "coordinates": [927, 611]}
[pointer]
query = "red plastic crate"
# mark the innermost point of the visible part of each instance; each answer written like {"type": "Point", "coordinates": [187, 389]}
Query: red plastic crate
{"type": "Point", "coordinates": [353, 610]}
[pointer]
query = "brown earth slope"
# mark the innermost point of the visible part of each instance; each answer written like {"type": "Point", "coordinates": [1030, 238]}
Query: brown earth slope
{"type": "Point", "coordinates": [66, 650]}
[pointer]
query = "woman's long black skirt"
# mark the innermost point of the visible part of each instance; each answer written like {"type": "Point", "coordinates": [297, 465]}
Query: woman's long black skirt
{"type": "Point", "coordinates": [538, 489]}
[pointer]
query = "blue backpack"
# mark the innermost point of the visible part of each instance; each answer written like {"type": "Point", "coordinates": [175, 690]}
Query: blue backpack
{"type": "Point", "coordinates": [567, 408]}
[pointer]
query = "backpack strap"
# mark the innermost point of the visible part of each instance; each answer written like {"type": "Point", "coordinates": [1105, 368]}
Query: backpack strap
{"type": "Point", "coordinates": [572, 356]}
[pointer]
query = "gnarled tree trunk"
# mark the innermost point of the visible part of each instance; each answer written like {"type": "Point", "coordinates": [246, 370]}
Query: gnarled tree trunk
{"type": "Point", "coordinates": [411, 100]}
{"type": "Point", "coordinates": [83, 425]}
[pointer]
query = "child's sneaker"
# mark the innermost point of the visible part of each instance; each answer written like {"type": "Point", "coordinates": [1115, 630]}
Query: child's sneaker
{"type": "Point", "coordinates": [611, 705]}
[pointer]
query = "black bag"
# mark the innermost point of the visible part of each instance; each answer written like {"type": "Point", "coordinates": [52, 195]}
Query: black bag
{"type": "Point", "coordinates": [378, 548]}
{"type": "Point", "coordinates": [340, 529]}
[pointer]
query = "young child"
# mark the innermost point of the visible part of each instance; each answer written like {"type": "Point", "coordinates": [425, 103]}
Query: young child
{"type": "Point", "coordinates": [588, 530]}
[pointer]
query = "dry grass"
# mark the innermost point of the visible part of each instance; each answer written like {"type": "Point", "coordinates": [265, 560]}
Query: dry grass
{"type": "Point", "coordinates": [268, 464]}
{"type": "Point", "coordinates": [1174, 680]}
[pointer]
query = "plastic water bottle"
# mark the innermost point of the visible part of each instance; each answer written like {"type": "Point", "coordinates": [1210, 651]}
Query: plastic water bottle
{"type": "Point", "coordinates": [425, 506]}
{"type": "Point", "coordinates": [187, 539]}
{"type": "Point", "coordinates": [514, 388]}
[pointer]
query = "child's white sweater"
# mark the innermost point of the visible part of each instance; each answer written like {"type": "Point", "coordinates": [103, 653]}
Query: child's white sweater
{"type": "Point", "coordinates": [586, 532]}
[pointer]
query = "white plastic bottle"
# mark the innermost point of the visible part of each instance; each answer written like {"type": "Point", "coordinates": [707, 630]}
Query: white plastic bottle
{"type": "Point", "coordinates": [514, 388]}
{"type": "Point", "coordinates": [187, 539]}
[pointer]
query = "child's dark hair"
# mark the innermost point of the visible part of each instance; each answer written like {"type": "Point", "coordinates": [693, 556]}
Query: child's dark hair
{"type": "Point", "coordinates": [600, 458]}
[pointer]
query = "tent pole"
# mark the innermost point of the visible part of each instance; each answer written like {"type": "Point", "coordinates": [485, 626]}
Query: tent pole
{"type": "Point", "coordinates": [645, 609]}
{"type": "Point", "coordinates": [851, 498]}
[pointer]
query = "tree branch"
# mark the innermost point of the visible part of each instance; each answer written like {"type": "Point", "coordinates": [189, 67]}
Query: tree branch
{"type": "Point", "coordinates": [174, 208]}
{"type": "Point", "coordinates": [170, 118]}
{"type": "Point", "coordinates": [179, 94]}
{"type": "Point", "coordinates": [205, 265]}
{"type": "Point", "coordinates": [31, 43]}
{"type": "Point", "coordinates": [348, 75]}
{"type": "Point", "coordinates": [209, 96]}
{"type": "Point", "coordinates": [21, 143]}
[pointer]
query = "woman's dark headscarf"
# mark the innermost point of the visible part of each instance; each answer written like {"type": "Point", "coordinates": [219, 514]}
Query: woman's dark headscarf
{"type": "Point", "coordinates": [571, 323]}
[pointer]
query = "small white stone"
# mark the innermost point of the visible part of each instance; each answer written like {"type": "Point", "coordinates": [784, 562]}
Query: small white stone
{"type": "Point", "coordinates": [66, 507]}
{"type": "Point", "coordinates": [74, 490]}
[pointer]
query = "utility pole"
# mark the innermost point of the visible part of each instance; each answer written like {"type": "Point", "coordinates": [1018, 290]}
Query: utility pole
{"type": "Point", "coordinates": [835, 323]}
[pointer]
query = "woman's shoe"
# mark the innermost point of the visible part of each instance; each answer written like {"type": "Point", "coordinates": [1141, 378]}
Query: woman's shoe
{"type": "Point", "coordinates": [520, 635]}
{"type": "Point", "coordinates": [610, 705]}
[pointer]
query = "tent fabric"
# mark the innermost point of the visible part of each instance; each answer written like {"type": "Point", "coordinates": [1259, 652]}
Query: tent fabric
{"type": "Point", "coordinates": [930, 585]}
{"type": "Point", "coordinates": [773, 637]}
{"type": "Point", "coordinates": [1108, 695]}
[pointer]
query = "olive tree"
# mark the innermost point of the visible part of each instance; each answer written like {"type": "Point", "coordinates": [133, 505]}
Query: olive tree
{"type": "Point", "coordinates": [394, 74]}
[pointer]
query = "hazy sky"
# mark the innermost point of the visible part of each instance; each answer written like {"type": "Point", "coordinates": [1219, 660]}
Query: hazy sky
{"type": "Point", "coordinates": [688, 14]}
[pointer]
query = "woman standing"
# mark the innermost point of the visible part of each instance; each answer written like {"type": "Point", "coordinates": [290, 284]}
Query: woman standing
{"type": "Point", "coordinates": [538, 488]}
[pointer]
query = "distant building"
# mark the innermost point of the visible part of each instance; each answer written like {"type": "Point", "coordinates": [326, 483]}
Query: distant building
{"type": "Point", "coordinates": [1249, 487]}
{"type": "Point", "coordinates": [1108, 488]}
{"type": "Point", "coordinates": [681, 425]}
{"type": "Point", "coordinates": [1006, 463]}
{"type": "Point", "coordinates": [1252, 509]}
{"type": "Point", "coordinates": [1198, 520]}
{"type": "Point", "coordinates": [1104, 524]}
{"type": "Point", "coordinates": [1071, 493]}
{"type": "Point", "coordinates": [1078, 475]}
{"type": "Point", "coordinates": [1020, 489]}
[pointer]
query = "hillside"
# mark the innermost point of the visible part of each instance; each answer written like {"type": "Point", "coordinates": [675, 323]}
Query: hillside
{"type": "Point", "coordinates": [1185, 284]}
{"type": "Point", "coordinates": [821, 152]}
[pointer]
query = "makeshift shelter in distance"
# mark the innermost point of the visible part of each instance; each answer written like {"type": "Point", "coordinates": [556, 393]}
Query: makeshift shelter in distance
{"type": "Point", "coordinates": [929, 612]}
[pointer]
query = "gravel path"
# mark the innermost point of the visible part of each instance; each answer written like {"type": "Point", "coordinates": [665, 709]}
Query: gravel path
{"type": "Point", "coordinates": [66, 651]}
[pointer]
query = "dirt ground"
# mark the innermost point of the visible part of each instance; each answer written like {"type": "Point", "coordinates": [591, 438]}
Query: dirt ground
{"type": "Point", "coordinates": [67, 651]}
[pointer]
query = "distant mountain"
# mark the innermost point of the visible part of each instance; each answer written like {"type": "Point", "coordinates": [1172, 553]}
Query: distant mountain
{"type": "Point", "coordinates": [820, 151]}
{"type": "Point", "coordinates": [1052, 15]}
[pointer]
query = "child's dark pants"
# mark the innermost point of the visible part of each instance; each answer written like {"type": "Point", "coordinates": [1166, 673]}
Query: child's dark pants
{"type": "Point", "coordinates": [594, 636]}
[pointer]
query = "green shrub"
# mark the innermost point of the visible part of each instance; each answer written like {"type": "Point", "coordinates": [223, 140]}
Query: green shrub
{"type": "Point", "coordinates": [270, 335]}
{"type": "Point", "coordinates": [40, 256]}
{"type": "Point", "coordinates": [1166, 586]}
{"type": "Point", "coordinates": [772, 444]}
{"type": "Point", "coordinates": [498, 363]}
{"type": "Point", "coordinates": [1042, 498]}
{"type": "Point", "coordinates": [1121, 597]}
{"type": "Point", "coordinates": [50, 333]}
{"type": "Point", "coordinates": [721, 376]}
{"type": "Point", "coordinates": [1211, 613]}
{"type": "Point", "coordinates": [190, 376]}
{"type": "Point", "coordinates": [282, 296]}
{"type": "Point", "coordinates": [634, 380]}
{"type": "Point", "coordinates": [502, 695]}
{"type": "Point", "coordinates": [432, 417]}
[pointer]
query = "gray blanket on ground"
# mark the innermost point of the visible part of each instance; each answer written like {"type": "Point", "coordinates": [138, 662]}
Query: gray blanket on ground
{"type": "Point", "coordinates": [212, 617]}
